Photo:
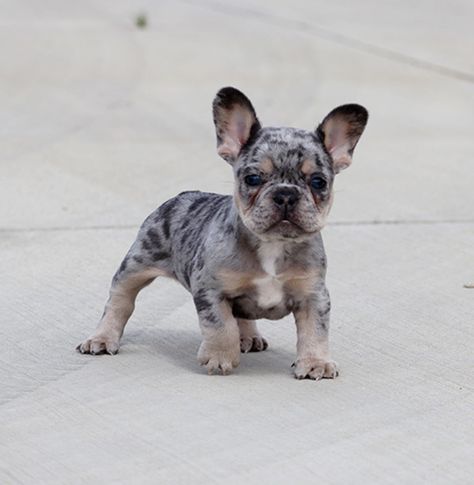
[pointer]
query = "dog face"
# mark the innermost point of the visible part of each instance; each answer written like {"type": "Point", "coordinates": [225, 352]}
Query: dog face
{"type": "Point", "coordinates": [284, 176]}
{"type": "Point", "coordinates": [283, 184]}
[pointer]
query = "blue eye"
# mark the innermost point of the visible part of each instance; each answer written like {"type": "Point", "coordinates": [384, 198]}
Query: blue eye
{"type": "Point", "coordinates": [253, 180]}
{"type": "Point", "coordinates": [318, 183]}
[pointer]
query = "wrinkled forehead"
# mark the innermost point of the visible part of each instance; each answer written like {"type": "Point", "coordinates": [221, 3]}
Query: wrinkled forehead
{"type": "Point", "coordinates": [288, 148]}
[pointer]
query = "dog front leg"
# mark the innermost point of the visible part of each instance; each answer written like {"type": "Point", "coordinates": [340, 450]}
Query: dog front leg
{"type": "Point", "coordinates": [220, 348]}
{"type": "Point", "coordinates": [312, 325]}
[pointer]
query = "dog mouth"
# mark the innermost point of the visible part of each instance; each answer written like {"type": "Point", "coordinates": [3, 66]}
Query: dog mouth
{"type": "Point", "coordinates": [286, 227]}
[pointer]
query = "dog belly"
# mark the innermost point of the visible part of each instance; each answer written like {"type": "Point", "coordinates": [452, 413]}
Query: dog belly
{"type": "Point", "coordinates": [247, 308]}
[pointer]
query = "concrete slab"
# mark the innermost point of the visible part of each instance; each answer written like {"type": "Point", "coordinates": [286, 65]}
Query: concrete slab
{"type": "Point", "coordinates": [101, 122]}
{"type": "Point", "coordinates": [432, 35]}
{"type": "Point", "coordinates": [97, 116]}
{"type": "Point", "coordinates": [402, 332]}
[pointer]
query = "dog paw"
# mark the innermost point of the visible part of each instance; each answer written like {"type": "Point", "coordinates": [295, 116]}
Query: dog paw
{"type": "Point", "coordinates": [100, 343]}
{"type": "Point", "coordinates": [253, 344]}
{"type": "Point", "coordinates": [315, 369]}
{"type": "Point", "coordinates": [215, 360]}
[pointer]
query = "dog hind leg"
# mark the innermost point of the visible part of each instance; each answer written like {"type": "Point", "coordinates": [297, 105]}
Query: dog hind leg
{"type": "Point", "coordinates": [131, 277]}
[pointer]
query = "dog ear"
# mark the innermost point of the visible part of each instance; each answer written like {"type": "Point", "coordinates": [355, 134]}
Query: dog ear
{"type": "Point", "coordinates": [235, 121]}
{"type": "Point", "coordinates": [340, 131]}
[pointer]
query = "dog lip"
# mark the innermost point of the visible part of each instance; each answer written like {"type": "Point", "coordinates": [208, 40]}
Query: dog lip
{"type": "Point", "coordinates": [285, 222]}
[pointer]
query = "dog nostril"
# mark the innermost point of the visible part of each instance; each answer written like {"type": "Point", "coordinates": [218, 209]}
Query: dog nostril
{"type": "Point", "coordinates": [292, 200]}
{"type": "Point", "coordinates": [286, 197]}
{"type": "Point", "coordinates": [278, 199]}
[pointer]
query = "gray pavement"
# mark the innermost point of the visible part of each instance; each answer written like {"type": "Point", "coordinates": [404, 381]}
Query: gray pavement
{"type": "Point", "coordinates": [100, 122]}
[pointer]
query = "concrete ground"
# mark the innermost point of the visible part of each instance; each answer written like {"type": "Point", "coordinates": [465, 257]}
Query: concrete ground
{"type": "Point", "coordinates": [100, 122]}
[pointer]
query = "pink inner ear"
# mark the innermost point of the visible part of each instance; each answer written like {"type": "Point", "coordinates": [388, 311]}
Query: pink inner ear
{"type": "Point", "coordinates": [341, 157]}
{"type": "Point", "coordinates": [237, 132]}
{"type": "Point", "coordinates": [338, 144]}
{"type": "Point", "coordinates": [335, 136]}
{"type": "Point", "coordinates": [242, 130]}
{"type": "Point", "coordinates": [240, 124]}
{"type": "Point", "coordinates": [229, 148]}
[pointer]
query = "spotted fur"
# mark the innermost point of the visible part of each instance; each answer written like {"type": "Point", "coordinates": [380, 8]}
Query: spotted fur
{"type": "Point", "coordinates": [256, 254]}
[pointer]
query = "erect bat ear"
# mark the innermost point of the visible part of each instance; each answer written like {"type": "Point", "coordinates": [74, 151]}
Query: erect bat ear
{"type": "Point", "coordinates": [340, 131]}
{"type": "Point", "coordinates": [235, 120]}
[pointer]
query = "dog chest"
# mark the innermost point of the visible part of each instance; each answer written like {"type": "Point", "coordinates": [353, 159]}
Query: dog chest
{"type": "Point", "coordinates": [269, 289]}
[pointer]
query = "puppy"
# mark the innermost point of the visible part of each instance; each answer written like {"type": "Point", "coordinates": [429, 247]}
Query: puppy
{"type": "Point", "coordinates": [256, 254]}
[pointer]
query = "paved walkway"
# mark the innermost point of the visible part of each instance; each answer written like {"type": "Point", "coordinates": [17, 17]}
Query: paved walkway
{"type": "Point", "coordinates": [100, 122]}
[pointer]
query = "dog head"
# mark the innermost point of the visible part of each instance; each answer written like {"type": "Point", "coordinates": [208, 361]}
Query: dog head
{"type": "Point", "coordinates": [284, 176]}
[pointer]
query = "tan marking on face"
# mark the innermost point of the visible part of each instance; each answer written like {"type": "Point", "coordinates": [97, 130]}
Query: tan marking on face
{"type": "Point", "coordinates": [331, 200]}
{"type": "Point", "coordinates": [327, 206]}
{"type": "Point", "coordinates": [241, 206]}
{"type": "Point", "coordinates": [239, 203]}
{"type": "Point", "coordinates": [308, 167]}
{"type": "Point", "coordinates": [323, 215]}
{"type": "Point", "coordinates": [266, 166]}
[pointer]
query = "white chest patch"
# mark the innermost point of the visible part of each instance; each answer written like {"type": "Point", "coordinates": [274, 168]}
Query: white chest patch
{"type": "Point", "coordinates": [269, 288]}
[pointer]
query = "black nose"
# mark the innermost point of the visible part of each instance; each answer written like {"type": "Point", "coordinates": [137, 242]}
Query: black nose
{"type": "Point", "coordinates": [286, 196]}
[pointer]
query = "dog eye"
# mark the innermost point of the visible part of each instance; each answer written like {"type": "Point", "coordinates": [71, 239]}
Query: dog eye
{"type": "Point", "coordinates": [318, 183]}
{"type": "Point", "coordinates": [253, 180]}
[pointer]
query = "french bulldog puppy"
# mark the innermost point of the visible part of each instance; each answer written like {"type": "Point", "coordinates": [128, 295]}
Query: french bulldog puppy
{"type": "Point", "coordinates": [256, 254]}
